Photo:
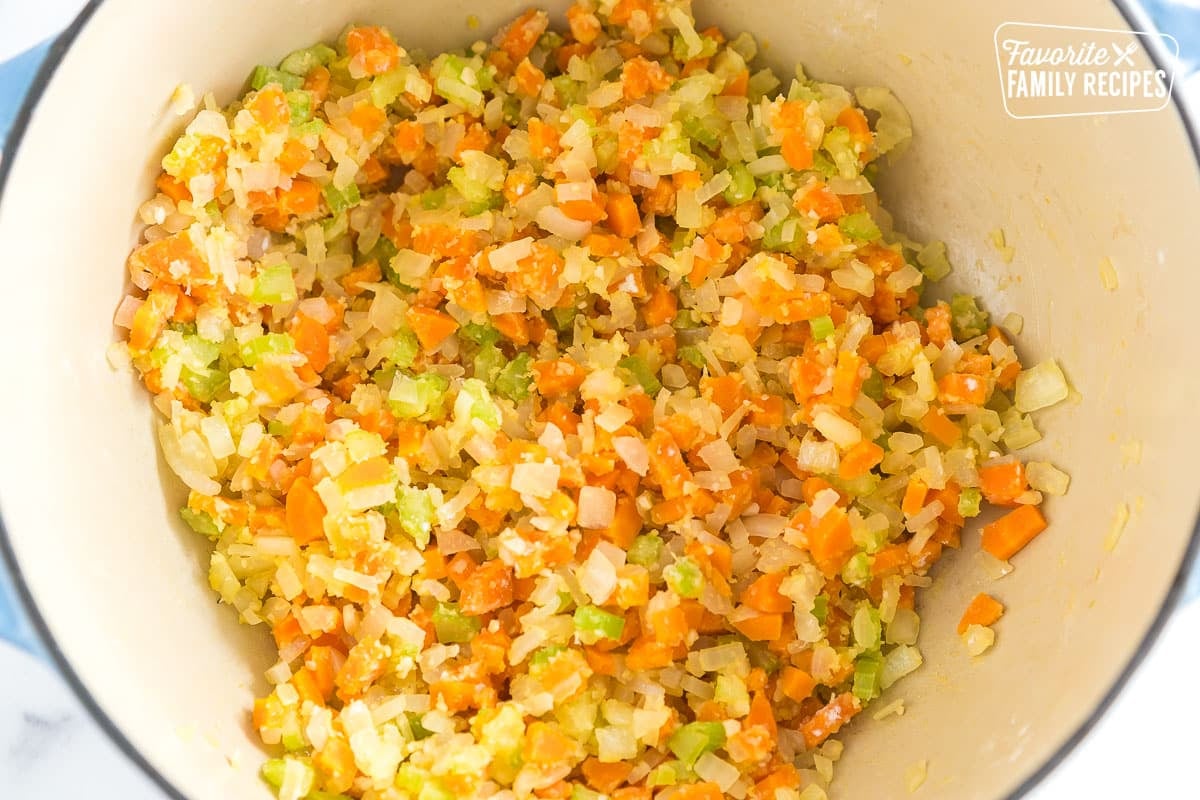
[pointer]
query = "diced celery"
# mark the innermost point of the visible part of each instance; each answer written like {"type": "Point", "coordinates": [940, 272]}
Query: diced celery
{"type": "Point", "coordinates": [761, 84]}
{"type": "Point", "coordinates": [820, 608]}
{"type": "Point", "coordinates": [473, 192]}
{"type": "Point", "coordinates": [731, 692]}
{"type": "Point", "coordinates": [581, 792]}
{"type": "Point", "coordinates": [543, 655]}
{"type": "Point", "coordinates": [641, 374]}
{"type": "Point", "coordinates": [564, 318]}
{"type": "Point", "coordinates": [434, 789]}
{"type": "Point", "coordinates": [417, 513]}
{"type": "Point", "coordinates": [968, 502]}
{"type": "Point", "coordinates": [300, 104]}
{"type": "Point", "coordinates": [645, 550]}
{"type": "Point", "coordinates": [568, 90]}
{"type": "Point", "coordinates": [340, 200]}
{"type": "Point", "coordinates": [272, 771]}
{"type": "Point", "coordinates": [203, 384]}
{"type": "Point", "coordinates": [679, 48]}
{"type": "Point", "coordinates": [763, 658]}
{"type": "Point", "coordinates": [966, 317]}
{"type": "Point", "coordinates": [277, 428]}
{"type": "Point", "coordinates": [420, 397]}
{"type": "Point", "coordinates": [1041, 386]}
{"type": "Point", "coordinates": [822, 327]}
{"type": "Point", "coordinates": [865, 627]}
{"type": "Point", "coordinates": [274, 285]}
{"type": "Point", "coordinates": [488, 363]}
{"type": "Point", "coordinates": [311, 128]}
{"type": "Point", "coordinates": [704, 130]}
{"type": "Point", "coordinates": [474, 402]}
{"type": "Point", "coordinates": [382, 253]}
{"type": "Point", "coordinates": [264, 76]}
{"type": "Point", "coordinates": [866, 677]}
{"type": "Point", "coordinates": [452, 626]}
{"type": "Point", "coordinates": [933, 261]}
{"type": "Point", "coordinates": [837, 143]}
{"type": "Point", "coordinates": [433, 199]}
{"type": "Point", "coordinates": [200, 522]}
{"type": "Point", "coordinates": [693, 740]}
{"type": "Point", "coordinates": [479, 334]}
{"type": "Point", "coordinates": [406, 348]}
{"type": "Point", "coordinates": [386, 88]}
{"type": "Point", "coordinates": [693, 356]}
{"type": "Point", "coordinates": [259, 347]}
{"type": "Point", "coordinates": [593, 624]}
{"type": "Point", "coordinates": [857, 571]}
{"type": "Point", "coordinates": [872, 387]}
{"type": "Point", "coordinates": [515, 378]}
{"type": "Point", "coordinates": [419, 731]}
{"type": "Point", "coordinates": [859, 226]}
{"type": "Point", "coordinates": [684, 577]}
{"type": "Point", "coordinates": [669, 773]}
{"type": "Point", "coordinates": [302, 62]}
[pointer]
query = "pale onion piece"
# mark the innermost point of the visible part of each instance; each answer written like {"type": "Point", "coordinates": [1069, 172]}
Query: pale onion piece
{"type": "Point", "coordinates": [553, 220]}
{"type": "Point", "coordinates": [1013, 323]}
{"type": "Point", "coordinates": [506, 257]}
{"type": "Point", "coordinates": [856, 185]}
{"type": "Point", "coordinates": [126, 310]}
{"type": "Point", "coordinates": [719, 456]}
{"type": "Point", "coordinates": [1041, 386]}
{"type": "Point", "coordinates": [837, 429]}
{"type": "Point", "coordinates": [605, 95]}
{"type": "Point", "coordinates": [456, 541]}
{"type": "Point", "coordinates": [715, 769]}
{"type": "Point", "coordinates": [597, 506]}
{"type": "Point", "coordinates": [1120, 520]}
{"type": "Point", "coordinates": [714, 186]}
{"type": "Point", "coordinates": [1045, 477]}
{"type": "Point", "coordinates": [536, 479]}
{"type": "Point", "coordinates": [904, 627]}
{"type": "Point", "coordinates": [1108, 276]}
{"type": "Point", "coordinates": [904, 279]}
{"type": "Point", "coordinates": [823, 502]}
{"type": "Point", "coordinates": [896, 707]}
{"type": "Point", "coordinates": [574, 190]}
{"type": "Point", "coordinates": [633, 452]}
{"type": "Point", "coordinates": [597, 577]}
{"type": "Point", "coordinates": [978, 639]}
{"type": "Point", "coordinates": [613, 418]}
{"type": "Point", "coordinates": [900, 661]}
{"type": "Point", "coordinates": [854, 279]}
{"type": "Point", "coordinates": [914, 775]}
{"type": "Point", "coordinates": [767, 165]}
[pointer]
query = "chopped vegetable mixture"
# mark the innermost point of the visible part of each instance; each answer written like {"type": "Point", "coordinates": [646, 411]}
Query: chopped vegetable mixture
{"type": "Point", "coordinates": [568, 409]}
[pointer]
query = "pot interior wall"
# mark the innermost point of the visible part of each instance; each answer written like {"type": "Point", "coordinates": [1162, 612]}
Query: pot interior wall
{"type": "Point", "coordinates": [121, 585]}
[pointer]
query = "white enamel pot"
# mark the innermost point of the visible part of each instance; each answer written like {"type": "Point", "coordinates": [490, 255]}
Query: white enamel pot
{"type": "Point", "coordinates": [117, 587]}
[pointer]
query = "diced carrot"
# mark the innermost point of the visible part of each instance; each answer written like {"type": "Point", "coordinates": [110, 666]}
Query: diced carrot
{"type": "Point", "coordinates": [761, 627]}
{"type": "Point", "coordinates": [431, 327]}
{"type": "Point", "coordinates": [646, 653]}
{"type": "Point", "coordinates": [373, 48]}
{"type": "Point", "coordinates": [335, 764]}
{"type": "Point", "coordinates": [1003, 483]}
{"type": "Point", "coordinates": [605, 777]}
{"type": "Point", "coordinates": [547, 745]}
{"type": "Point", "coordinates": [706, 790]}
{"type": "Point", "coordinates": [317, 81]}
{"type": "Point", "coordinates": [859, 460]}
{"type": "Point", "coordinates": [796, 151]}
{"type": "Point", "coordinates": [661, 308]}
{"type": "Point", "coordinates": [856, 122]}
{"type": "Point", "coordinates": [940, 427]}
{"type": "Point", "coordinates": [820, 203]}
{"type": "Point", "coordinates": [796, 684]}
{"type": "Point", "coordinates": [312, 340]}
{"type": "Point", "coordinates": [585, 26]}
{"type": "Point", "coordinates": [306, 687]}
{"type": "Point", "coordinates": [889, 559]}
{"type": "Point", "coordinates": [408, 137]}
{"type": "Point", "coordinates": [305, 512]}
{"type": "Point", "coordinates": [640, 77]}
{"type": "Point", "coordinates": [914, 496]}
{"type": "Point", "coordinates": [151, 318]}
{"type": "Point", "coordinates": [961, 388]}
{"type": "Point", "coordinates": [518, 39]}
{"type": "Point", "coordinates": [530, 79]}
{"type": "Point", "coordinates": [1005, 537]}
{"type": "Point", "coordinates": [763, 594]}
{"type": "Point", "coordinates": [767, 410]}
{"type": "Point", "coordinates": [830, 719]}
{"type": "Point", "coordinates": [173, 188]}
{"type": "Point", "coordinates": [847, 378]}
{"type": "Point", "coordinates": [515, 327]}
{"type": "Point", "coordinates": [287, 630]}
{"type": "Point", "coordinates": [304, 197]}
{"type": "Point", "coordinates": [558, 377]}
{"type": "Point", "coordinates": [738, 85]}
{"type": "Point", "coordinates": [353, 280]}
{"type": "Point", "coordinates": [830, 541]}
{"type": "Point", "coordinates": [937, 321]}
{"type": "Point", "coordinates": [626, 523]}
{"type": "Point", "coordinates": [982, 610]}
{"type": "Point", "coordinates": [488, 588]}
{"type": "Point", "coordinates": [667, 466]}
{"type": "Point", "coordinates": [785, 776]}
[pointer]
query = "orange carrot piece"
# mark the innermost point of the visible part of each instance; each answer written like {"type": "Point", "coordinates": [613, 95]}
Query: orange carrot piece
{"type": "Point", "coordinates": [796, 684]}
{"type": "Point", "coordinates": [982, 610]}
{"type": "Point", "coordinates": [914, 497]}
{"type": "Point", "coordinates": [431, 327]}
{"type": "Point", "coordinates": [1005, 537]}
{"type": "Point", "coordinates": [796, 151]}
{"type": "Point", "coordinates": [940, 427]}
{"type": "Point", "coordinates": [488, 588]}
{"type": "Point", "coordinates": [961, 388]}
{"type": "Point", "coordinates": [830, 719]}
{"type": "Point", "coordinates": [304, 511]}
{"type": "Point", "coordinates": [763, 595]}
{"type": "Point", "coordinates": [1003, 483]}
{"type": "Point", "coordinates": [623, 217]}
{"type": "Point", "coordinates": [830, 541]}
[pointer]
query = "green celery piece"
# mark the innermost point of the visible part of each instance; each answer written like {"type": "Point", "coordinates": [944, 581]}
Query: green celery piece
{"type": "Point", "coordinates": [204, 384]}
{"type": "Point", "coordinates": [968, 502]}
{"type": "Point", "coordinates": [967, 319]}
{"type": "Point", "coordinates": [581, 792]}
{"type": "Point", "coordinates": [481, 335]}
{"type": "Point", "coordinates": [300, 104]}
{"type": "Point", "coordinates": [857, 571]}
{"type": "Point", "coordinates": [866, 677]}
{"type": "Point", "coordinates": [684, 578]}
{"type": "Point", "coordinates": [340, 200]}
{"type": "Point", "coordinates": [274, 285]}
{"type": "Point", "coordinates": [593, 624]}
{"type": "Point", "coordinates": [272, 771]}
{"type": "Point", "coordinates": [693, 740]}
{"type": "Point", "coordinates": [645, 550]}
{"type": "Point", "coordinates": [422, 397]}
{"type": "Point", "coordinates": [641, 374]}
{"type": "Point", "coordinates": [488, 363]}
{"type": "Point", "coordinates": [692, 355]}
{"type": "Point", "coordinates": [302, 62]}
{"type": "Point", "coordinates": [544, 655]}
{"type": "Point", "coordinates": [416, 512]}
{"type": "Point", "coordinates": [859, 226]}
{"type": "Point", "coordinates": [200, 522]}
{"type": "Point", "coordinates": [872, 387]}
{"type": "Point", "coordinates": [452, 626]}
{"type": "Point", "coordinates": [406, 349]}
{"type": "Point", "coordinates": [419, 731]}
{"type": "Point", "coordinates": [264, 76]}
{"type": "Point", "coordinates": [433, 199]}
{"type": "Point", "coordinates": [822, 327]}
{"type": "Point", "coordinates": [837, 143]}
{"type": "Point", "coordinates": [254, 350]}
{"type": "Point", "coordinates": [864, 625]}
{"type": "Point", "coordinates": [515, 378]}
{"type": "Point", "coordinates": [277, 428]}
{"type": "Point", "coordinates": [820, 608]}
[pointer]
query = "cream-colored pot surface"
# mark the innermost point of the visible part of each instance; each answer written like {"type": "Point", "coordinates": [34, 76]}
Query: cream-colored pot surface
{"type": "Point", "coordinates": [90, 508]}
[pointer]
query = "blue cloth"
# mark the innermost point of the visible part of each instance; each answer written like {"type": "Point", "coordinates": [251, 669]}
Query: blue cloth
{"type": "Point", "coordinates": [16, 75]}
